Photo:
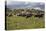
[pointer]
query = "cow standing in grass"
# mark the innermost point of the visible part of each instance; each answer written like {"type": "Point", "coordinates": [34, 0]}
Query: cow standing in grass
{"type": "Point", "coordinates": [28, 15]}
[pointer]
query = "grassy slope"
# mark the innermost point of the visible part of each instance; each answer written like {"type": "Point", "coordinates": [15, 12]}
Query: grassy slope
{"type": "Point", "coordinates": [16, 22]}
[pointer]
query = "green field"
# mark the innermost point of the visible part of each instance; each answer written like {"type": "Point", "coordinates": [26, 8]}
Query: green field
{"type": "Point", "coordinates": [18, 22]}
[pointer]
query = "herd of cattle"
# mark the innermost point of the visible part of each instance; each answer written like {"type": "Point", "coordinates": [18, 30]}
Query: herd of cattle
{"type": "Point", "coordinates": [30, 15]}
{"type": "Point", "coordinates": [27, 15]}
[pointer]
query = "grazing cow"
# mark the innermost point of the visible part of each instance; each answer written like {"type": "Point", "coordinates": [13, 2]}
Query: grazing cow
{"type": "Point", "coordinates": [28, 15]}
{"type": "Point", "coordinates": [39, 15]}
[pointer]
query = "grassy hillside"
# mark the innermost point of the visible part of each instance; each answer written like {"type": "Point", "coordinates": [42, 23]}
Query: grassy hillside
{"type": "Point", "coordinates": [18, 22]}
{"type": "Point", "coordinates": [14, 22]}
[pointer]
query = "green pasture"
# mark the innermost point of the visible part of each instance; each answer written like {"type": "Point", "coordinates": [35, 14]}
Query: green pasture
{"type": "Point", "coordinates": [19, 22]}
